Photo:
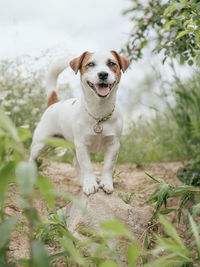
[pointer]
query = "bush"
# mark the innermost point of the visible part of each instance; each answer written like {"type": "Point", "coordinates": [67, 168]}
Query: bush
{"type": "Point", "coordinates": [190, 174]}
{"type": "Point", "coordinates": [22, 91]}
{"type": "Point", "coordinates": [172, 134]}
{"type": "Point", "coordinates": [173, 25]}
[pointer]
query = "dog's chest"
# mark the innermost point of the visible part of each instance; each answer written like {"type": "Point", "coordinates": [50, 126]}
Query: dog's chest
{"type": "Point", "coordinates": [96, 143]}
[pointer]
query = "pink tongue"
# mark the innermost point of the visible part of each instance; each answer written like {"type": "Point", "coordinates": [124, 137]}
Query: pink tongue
{"type": "Point", "coordinates": [103, 91]}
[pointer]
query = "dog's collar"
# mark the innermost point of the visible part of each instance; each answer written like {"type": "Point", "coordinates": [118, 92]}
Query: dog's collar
{"type": "Point", "coordinates": [102, 119]}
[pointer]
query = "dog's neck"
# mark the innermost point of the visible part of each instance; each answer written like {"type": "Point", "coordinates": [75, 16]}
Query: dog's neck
{"type": "Point", "coordinates": [98, 107]}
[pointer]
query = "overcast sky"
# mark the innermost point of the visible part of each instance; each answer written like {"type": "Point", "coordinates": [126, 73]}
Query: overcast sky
{"type": "Point", "coordinates": [28, 26]}
{"type": "Point", "coordinates": [69, 27]}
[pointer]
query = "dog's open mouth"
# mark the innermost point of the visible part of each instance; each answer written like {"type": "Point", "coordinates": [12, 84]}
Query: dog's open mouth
{"type": "Point", "coordinates": [101, 89]}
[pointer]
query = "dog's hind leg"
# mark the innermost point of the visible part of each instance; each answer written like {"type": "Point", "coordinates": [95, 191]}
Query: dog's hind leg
{"type": "Point", "coordinates": [36, 150]}
{"type": "Point", "coordinates": [41, 133]}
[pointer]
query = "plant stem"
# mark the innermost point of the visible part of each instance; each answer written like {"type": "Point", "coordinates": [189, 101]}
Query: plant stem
{"type": "Point", "coordinates": [31, 230]}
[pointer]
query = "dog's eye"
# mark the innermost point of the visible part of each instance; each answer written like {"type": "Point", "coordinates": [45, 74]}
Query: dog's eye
{"type": "Point", "coordinates": [91, 64]}
{"type": "Point", "coordinates": [111, 64]}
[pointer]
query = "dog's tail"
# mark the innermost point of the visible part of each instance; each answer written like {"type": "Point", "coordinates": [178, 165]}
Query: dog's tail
{"type": "Point", "coordinates": [55, 69]}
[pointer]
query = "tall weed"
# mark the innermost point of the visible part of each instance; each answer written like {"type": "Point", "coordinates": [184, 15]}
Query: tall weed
{"type": "Point", "coordinates": [172, 134]}
{"type": "Point", "coordinates": [22, 92]}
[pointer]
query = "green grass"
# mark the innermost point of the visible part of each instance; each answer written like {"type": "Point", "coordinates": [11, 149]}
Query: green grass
{"type": "Point", "coordinates": [173, 134]}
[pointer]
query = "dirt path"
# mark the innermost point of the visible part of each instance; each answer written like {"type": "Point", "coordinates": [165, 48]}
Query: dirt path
{"type": "Point", "coordinates": [127, 179]}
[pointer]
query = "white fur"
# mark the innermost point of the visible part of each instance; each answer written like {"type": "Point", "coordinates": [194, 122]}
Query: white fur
{"type": "Point", "coordinates": [72, 119]}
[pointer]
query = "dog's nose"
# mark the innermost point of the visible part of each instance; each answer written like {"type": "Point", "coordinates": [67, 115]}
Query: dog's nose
{"type": "Point", "coordinates": [103, 75]}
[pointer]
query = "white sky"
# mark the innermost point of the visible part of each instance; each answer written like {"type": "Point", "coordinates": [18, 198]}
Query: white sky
{"type": "Point", "coordinates": [69, 27]}
{"type": "Point", "coordinates": [27, 26]}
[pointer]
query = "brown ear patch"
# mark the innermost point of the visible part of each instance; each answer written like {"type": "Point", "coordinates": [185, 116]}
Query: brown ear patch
{"type": "Point", "coordinates": [77, 63]}
{"type": "Point", "coordinates": [84, 66]}
{"type": "Point", "coordinates": [116, 68]}
{"type": "Point", "coordinates": [124, 62]}
{"type": "Point", "coordinates": [52, 99]}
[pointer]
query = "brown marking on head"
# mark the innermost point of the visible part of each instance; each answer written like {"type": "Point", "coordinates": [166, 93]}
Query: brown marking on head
{"type": "Point", "coordinates": [79, 63]}
{"type": "Point", "coordinates": [53, 98]}
{"type": "Point", "coordinates": [115, 68]}
{"type": "Point", "coordinates": [124, 62]}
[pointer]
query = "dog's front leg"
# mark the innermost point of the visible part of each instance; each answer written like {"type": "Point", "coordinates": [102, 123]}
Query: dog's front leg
{"type": "Point", "coordinates": [89, 183]}
{"type": "Point", "coordinates": [110, 158]}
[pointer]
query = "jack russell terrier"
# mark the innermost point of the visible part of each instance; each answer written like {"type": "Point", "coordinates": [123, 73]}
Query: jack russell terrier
{"type": "Point", "coordinates": [92, 122]}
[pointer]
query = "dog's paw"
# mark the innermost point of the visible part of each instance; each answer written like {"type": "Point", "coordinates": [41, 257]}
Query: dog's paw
{"type": "Point", "coordinates": [90, 187]}
{"type": "Point", "coordinates": [107, 186]}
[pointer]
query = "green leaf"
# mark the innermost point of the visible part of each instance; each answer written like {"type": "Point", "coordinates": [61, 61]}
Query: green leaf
{"type": "Point", "coordinates": [160, 181]}
{"type": "Point", "coordinates": [7, 125]}
{"type": "Point", "coordinates": [167, 244]}
{"type": "Point", "coordinates": [148, 188]}
{"type": "Point", "coordinates": [190, 62]}
{"type": "Point", "coordinates": [184, 199]}
{"type": "Point", "coordinates": [6, 177]}
{"type": "Point", "coordinates": [109, 263]}
{"type": "Point", "coordinates": [153, 197]}
{"type": "Point", "coordinates": [179, 190]}
{"type": "Point", "coordinates": [182, 59]}
{"type": "Point", "coordinates": [197, 35]}
{"type": "Point", "coordinates": [62, 215]}
{"type": "Point", "coordinates": [10, 264]}
{"type": "Point", "coordinates": [169, 10]}
{"type": "Point", "coordinates": [26, 175]}
{"type": "Point", "coordinates": [57, 256]}
{"type": "Point", "coordinates": [181, 34]}
{"type": "Point", "coordinates": [24, 134]}
{"type": "Point", "coordinates": [5, 228]}
{"type": "Point", "coordinates": [117, 228]}
{"type": "Point", "coordinates": [24, 262]}
{"type": "Point", "coordinates": [179, 6]}
{"type": "Point", "coordinates": [190, 29]}
{"type": "Point", "coordinates": [70, 248]}
{"type": "Point", "coordinates": [195, 233]}
{"type": "Point", "coordinates": [71, 198]}
{"type": "Point", "coordinates": [144, 260]}
{"type": "Point", "coordinates": [171, 231]}
{"type": "Point", "coordinates": [198, 7]}
{"type": "Point", "coordinates": [57, 142]}
{"type": "Point", "coordinates": [162, 195]}
{"type": "Point", "coordinates": [166, 211]}
{"type": "Point", "coordinates": [39, 254]}
{"type": "Point", "coordinates": [133, 254]}
{"type": "Point", "coordinates": [188, 21]}
{"type": "Point", "coordinates": [45, 188]}
{"type": "Point", "coordinates": [169, 23]}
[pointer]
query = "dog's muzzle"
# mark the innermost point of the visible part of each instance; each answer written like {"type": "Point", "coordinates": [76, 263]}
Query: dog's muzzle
{"type": "Point", "coordinates": [102, 89]}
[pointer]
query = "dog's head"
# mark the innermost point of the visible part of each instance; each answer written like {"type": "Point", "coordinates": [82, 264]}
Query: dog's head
{"type": "Point", "coordinates": [100, 72]}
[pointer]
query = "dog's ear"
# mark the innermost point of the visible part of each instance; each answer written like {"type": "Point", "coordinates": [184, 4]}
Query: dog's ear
{"type": "Point", "coordinates": [75, 63]}
{"type": "Point", "coordinates": [124, 62]}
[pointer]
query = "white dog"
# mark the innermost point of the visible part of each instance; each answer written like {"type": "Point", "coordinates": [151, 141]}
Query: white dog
{"type": "Point", "coordinates": [92, 122]}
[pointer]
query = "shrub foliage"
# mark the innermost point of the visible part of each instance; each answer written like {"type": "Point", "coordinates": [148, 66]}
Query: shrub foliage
{"type": "Point", "coordinates": [174, 26]}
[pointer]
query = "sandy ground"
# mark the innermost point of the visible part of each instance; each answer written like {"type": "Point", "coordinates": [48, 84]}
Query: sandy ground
{"type": "Point", "coordinates": [127, 179]}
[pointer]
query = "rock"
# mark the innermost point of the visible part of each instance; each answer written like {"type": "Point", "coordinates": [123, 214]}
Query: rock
{"type": "Point", "coordinates": [102, 207]}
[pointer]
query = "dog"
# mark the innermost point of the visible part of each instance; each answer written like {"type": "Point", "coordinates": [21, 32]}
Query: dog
{"type": "Point", "coordinates": [93, 122]}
